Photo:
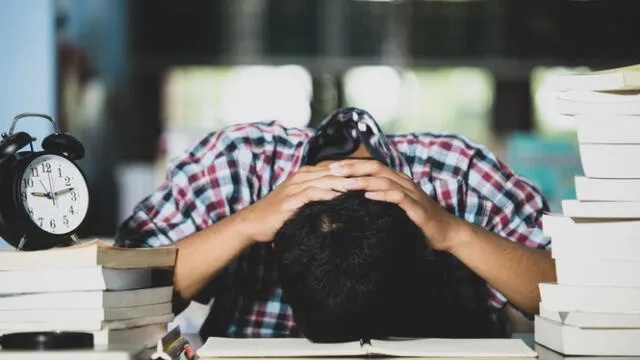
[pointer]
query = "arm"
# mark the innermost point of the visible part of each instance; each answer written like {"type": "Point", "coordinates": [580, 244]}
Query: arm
{"type": "Point", "coordinates": [204, 254]}
{"type": "Point", "coordinates": [511, 268]}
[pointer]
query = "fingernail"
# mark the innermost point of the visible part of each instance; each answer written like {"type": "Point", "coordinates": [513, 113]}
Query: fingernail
{"type": "Point", "coordinates": [350, 183]}
{"type": "Point", "coordinates": [336, 169]}
{"type": "Point", "coordinates": [372, 195]}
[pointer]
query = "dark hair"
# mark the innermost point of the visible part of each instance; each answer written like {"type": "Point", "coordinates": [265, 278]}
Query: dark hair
{"type": "Point", "coordinates": [337, 262]}
{"type": "Point", "coordinates": [353, 268]}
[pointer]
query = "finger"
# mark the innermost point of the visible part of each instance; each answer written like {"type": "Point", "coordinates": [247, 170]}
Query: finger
{"type": "Point", "coordinates": [308, 174]}
{"type": "Point", "coordinates": [393, 196]}
{"type": "Point", "coordinates": [329, 182]}
{"type": "Point", "coordinates": [308, 195]}
{"type": "Point", "coordinates": [359, 168]}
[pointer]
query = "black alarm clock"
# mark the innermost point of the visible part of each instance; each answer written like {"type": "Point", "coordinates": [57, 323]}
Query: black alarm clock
{"type": "Point", "coordinates": [44, 196]}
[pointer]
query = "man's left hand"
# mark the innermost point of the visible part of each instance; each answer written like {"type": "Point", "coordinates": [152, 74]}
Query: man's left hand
{"type": "Point", "coordinates": [384, 184]}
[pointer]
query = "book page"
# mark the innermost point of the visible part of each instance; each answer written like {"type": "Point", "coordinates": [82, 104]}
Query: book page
{"type": "Point", "coordinates": [476, 348]}
{"type": "Point", "coordinates": [275, 347]}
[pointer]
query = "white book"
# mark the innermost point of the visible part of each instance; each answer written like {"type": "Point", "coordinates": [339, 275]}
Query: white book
{"type": "Point", "coordinates": [622, 78]}
{"type": "Point", "coordinates": [93, 253]}
{"type": "Point", "coordinates": [572, 340]}
{"type": "Point", "coordinates": [300, 347]}
{"type": "Point", "coordinates": [80, 354]}
{"type": "Point", "coordinates": [58, 315]}
{"type": "Point", "coordinates": [592, 320]}
{"type": "Point", "coordinates": [589, 272]}
{"type": "Point", "coordinates": [608, 129]}
{"type": "Point", "coordinates": [610, 161]}
{"type": "Point", "coordinates": [73, 279]}
{"type": "Point", "coordinates": [82, 324]}
{"type": "Point", "coordinates": [582, 238]}
{"type": "Point", "coordinates": [594, 189]}
{"type": "Point", "coordinates": [603, 299]}
{"type": "Point", "coordinates": [570, 106]}
{"type": "Point", "coordinates": [544, 353]}
{"type": "Point", "coordinates": [601, 209]}
{"type": "Point", "coordinates": [87, 299]}
{"type": "Point", "coordinates": [138, 337]}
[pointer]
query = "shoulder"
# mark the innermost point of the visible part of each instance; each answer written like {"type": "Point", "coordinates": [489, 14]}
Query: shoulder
{"type": "Point", "coordinates": [438, 154]}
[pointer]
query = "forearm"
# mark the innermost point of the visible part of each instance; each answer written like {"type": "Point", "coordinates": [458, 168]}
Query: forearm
{"type": "Point", "coordinates": [203, 255]}
{"type": "Point", "coordinates": [513, 269]}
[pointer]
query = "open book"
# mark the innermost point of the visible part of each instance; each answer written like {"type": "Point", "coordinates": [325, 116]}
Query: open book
{"type": "Point", "coordinates": [216, 347]}
{"type": "Point", "coordinates": [93, 253]}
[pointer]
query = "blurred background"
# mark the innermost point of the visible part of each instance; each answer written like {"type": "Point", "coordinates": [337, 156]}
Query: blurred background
{"type": "Point", "coordinates": [140, 81]}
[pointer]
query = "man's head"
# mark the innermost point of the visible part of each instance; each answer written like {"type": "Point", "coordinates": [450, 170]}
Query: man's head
{"type": "Point", "coordinates": [340, 262]}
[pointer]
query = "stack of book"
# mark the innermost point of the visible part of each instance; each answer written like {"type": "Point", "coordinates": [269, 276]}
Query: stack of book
{"type": "Point", "coordinates": [594, 309]}
{"type": "Point", "coordinates": [122, 296]}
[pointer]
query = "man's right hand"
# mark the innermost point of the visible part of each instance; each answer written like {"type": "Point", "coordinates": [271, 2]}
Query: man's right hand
{"type": "Point", "coordinates": [309, 183]}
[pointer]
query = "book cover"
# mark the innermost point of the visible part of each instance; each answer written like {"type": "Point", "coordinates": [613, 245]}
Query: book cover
{"type": "Point", "coordinates": [603, 299]}
{"type": "Point", "coordinates": [94, 253]}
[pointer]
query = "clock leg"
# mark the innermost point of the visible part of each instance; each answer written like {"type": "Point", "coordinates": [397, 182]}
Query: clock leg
{"type": "Point", "coordinates": [75, 239]}
{"type": "Point", "coordinates": [23, 241]}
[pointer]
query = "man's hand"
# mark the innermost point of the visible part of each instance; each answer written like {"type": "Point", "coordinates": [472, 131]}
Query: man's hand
{"type": "Point", "coordinates": [383, 184]}
{"type": "Point", "coordinates": [309, 183]}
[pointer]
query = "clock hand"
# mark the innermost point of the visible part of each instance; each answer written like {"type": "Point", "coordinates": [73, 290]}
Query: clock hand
{"type": "Point", "coordinates": [40, 194]}
{"type": "Point", "coordinates": [47, 194]}
{"type": "Point", "coordinates": [51, 187]}
{"type": "Point", "coordinates": [63, 191]}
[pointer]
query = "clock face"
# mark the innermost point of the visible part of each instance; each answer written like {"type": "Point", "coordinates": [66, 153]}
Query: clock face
{"type": "Point", "coordinates": [54, 193]}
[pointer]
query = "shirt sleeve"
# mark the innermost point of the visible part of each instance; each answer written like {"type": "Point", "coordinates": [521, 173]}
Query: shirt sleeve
{"type": "Point", "coordinates": [505, 203]}
{"type": "Point", "coordinates": [192, 198]}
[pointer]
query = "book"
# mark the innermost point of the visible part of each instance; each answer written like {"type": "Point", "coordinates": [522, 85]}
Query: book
{"type": "Point", "coordinates": [565, 104]}
{"type": "Point", "coordinates": [82, 324]}
{"type": "Point", "coordinates": [598, 272]}
{"type": "Point", "coordinates": [98, 353]}
{"type": "Point", "coordinates": [592, 320]}
{"type": "Point", "coordinates": [216, 347]}
{"type": "Point", "coordinates": [607, 129]}
{"type": "Point", "coordinates": [58, 315]}
{"type": "Point", "coordinates": [610, 161]}
{"type": "Point", "coordinates": [573, 340]}
{"type": "Point", "coordinates": [582, 238]}
{"type": "Point", "coordinates": [73, 279]}
{"type": "Point", "coordinates": [601, 209]}
{"type": "Point", "coordinates": [544, 353]}
{"type": "Point", "coordinates": [87, 299]}
{"type": "Point", "coordinates": [93, 253]}
{"type": "Point", "coordinates": [621, 78]}
{"type": "Point", "coordinates": [603, 299]}
{"type": "Point", "coordinates": [594, 189]}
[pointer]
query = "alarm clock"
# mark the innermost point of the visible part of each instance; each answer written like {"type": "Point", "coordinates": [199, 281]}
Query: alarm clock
{"type": "Point", "coordinates": [44, 196]}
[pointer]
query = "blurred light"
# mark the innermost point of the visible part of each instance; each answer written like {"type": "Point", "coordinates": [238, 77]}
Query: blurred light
{"type": "Point", "coordinates": [265, 93]}
{"type": "Point", "coordinates": [544, 99]}
{"type": "Point", "coordinates": [376, 89]}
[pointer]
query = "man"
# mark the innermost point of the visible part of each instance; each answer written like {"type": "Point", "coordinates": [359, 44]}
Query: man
{"type": "Point", "coordinates": [224, 200]}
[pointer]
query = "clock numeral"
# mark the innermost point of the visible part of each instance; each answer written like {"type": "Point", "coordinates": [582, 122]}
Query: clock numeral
{"type": "Point", "coordinates": [74, 196]}
{"type": "Point", "coordinates": [46, 167]}
{"type": "Point", "coordinates": [34, 171]}
{"type": "Point", "coordinates": [27, 182]}
{"type": "Point", "coordinates": [52, 223]}
{"type": "Point", "coordinates": [23, 196]}
{"type": "Point", "coordinates": [67, 181]}
{"type": "Point", "coordinates": [30, 211]}
{"type": "Point", "coordinates": [65, 220]}
{"type": "Point", "coordinates": [59, 172]}
{"type": "Point", "coordinates": [71, 210]}
{"type": "Point", "coordinates": [41, 221]}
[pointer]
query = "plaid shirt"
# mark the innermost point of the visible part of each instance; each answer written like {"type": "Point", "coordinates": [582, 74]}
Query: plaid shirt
{"type": "Point", "coordinates": [232, 168]}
